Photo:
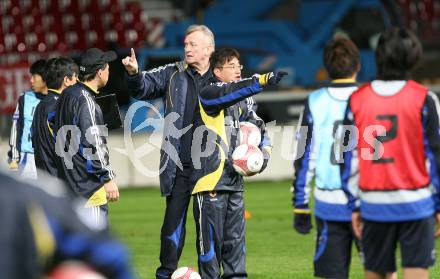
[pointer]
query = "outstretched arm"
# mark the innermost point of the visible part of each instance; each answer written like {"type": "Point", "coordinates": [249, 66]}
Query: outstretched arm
{"type": "Point", "coordinates": [218, 96]}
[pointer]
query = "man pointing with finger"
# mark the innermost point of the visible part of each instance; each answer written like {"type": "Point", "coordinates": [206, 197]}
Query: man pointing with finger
{"type": "Point", "coordinates": [178, 84]}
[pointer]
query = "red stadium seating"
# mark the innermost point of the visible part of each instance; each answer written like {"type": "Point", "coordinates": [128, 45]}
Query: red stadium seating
{"type": "Point", "coordinates": [71, 25]}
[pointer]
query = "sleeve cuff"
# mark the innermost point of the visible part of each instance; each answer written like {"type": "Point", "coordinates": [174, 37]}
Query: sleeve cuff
{"type": "Point", "coordinates": [301, 210]}
{"type": "Point", "coordinates": [136, 77]}
{"type": "Point", "coordinates": [105, 178]}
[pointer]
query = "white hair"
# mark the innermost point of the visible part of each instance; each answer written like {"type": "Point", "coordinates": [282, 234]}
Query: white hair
{"type": "Point", "coordinates": [204, 29]}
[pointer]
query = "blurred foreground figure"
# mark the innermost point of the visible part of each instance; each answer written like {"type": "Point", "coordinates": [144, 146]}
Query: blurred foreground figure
{"type": "Point", "coordinates": [43, 227]}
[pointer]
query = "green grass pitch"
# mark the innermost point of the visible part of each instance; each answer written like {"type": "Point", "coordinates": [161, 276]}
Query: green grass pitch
{"type": "Point", "coordinates": [273, 248]}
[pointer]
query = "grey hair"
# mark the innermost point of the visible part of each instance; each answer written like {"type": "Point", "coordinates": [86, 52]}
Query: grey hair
{"type": "Point", "coordinates": [204, 29]}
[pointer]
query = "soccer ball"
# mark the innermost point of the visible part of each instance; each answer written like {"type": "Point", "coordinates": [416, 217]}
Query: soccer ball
{"type": "Point", "coordinates": [74, 270]}
{"type": "Point", "coordinates": [249, 134]}
{"type": "Point", "coordinates": [185, 273]}
{"type": "Point", "coordinates": [247, 159]}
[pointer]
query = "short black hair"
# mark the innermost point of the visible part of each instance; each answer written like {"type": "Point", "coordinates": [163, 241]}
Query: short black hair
{"type": "Point", "coordinates": [341, 58]}
{"type": "Point", "coordinates": [221, 56]}
{"type": "Point", "coordinates": [58, 68]}
{"type": "Point", "coordinates": [397, 53]}
{"type": "Point", "coordinates": [38, 67]}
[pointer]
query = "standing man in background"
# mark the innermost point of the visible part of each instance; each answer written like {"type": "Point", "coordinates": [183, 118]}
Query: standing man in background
{"type": "Point", "coordinates": [61, 72]}
{"type": "Point", "coordinates": [395, 197]}
{"type": "Point", "coordinates": [21, 154]}
{"type": "Point", "coordinates": [323, 113]}
{"type": "Point", "coordinates": [178, 84]}
{"type": "Point", "coordinates": [87, 171]}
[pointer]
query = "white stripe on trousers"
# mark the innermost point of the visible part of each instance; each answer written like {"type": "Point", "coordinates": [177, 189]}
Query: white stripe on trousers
{"type": "Point", "coordinates": [96, 214]}
{"type": "Point", "coordinates": [200, 204]}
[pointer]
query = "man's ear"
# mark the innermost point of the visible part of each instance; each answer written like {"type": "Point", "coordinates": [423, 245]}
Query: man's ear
{"type": "Point", "coordinates": [216, 72]}
{"type": "Point", "coordinates": [65, 81]}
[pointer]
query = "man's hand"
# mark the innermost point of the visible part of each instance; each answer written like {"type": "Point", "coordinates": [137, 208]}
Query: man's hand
{"type": "Point", "coordinates": [130, 63]}
{"type": "Point", "coordinates": [356, 223]}
{"type": "Point", "coordinates": [266, 157]}
{"type": "Point", "coordinates": [271, 78]}
{"type": "Point", "coordinates": [111, 190]}
{"type": "Point", "coordinates": [13, 165]}
{"type": "Point", "coordinates": [302, 221]}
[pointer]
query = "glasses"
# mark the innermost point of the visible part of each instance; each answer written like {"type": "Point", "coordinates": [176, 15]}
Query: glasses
{"type": "Point", "coordinates": [233, 67]}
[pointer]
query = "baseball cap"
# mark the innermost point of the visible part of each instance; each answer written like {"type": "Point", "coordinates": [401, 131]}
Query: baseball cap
{"type": "Point", "coordinates": [93, 59]}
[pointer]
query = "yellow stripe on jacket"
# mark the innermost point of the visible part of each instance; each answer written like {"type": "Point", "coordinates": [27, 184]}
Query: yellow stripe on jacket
{"type": "Point", "coordinates": [217, 125]}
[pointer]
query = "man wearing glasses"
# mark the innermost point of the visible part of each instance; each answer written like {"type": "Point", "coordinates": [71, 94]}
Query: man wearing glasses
{"type": "Point", "coordinates": [218, 191]}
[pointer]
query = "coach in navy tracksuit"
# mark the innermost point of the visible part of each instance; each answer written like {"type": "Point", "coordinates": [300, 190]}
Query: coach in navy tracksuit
{"type": "Point", "coordinates": [178, 84]}
{"type": "Point", "coordinates": [87, 171]}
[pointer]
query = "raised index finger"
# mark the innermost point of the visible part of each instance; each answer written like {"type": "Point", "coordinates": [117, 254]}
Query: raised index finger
{"type": "Point", "coordinates": [133, 54]}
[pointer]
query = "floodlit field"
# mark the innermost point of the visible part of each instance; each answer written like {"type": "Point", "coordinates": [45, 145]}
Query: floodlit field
{"type": "Point", "coordinates": [274, 249]}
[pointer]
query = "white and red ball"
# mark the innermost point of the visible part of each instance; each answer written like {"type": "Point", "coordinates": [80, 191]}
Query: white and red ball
{"type": "Point", "coordinates": [247, 159]}
{"type": "Point", "coordinates": [74, 270]}
{"type": "Point", "coordinates": [185, 273]}
{"type": "Point", "coordinates": [249, 134]}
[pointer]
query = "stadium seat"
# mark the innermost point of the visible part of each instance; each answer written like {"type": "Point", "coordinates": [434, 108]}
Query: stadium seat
{"type": "Point", "coordinates": [54, 8]}
{"type": "Point", "coordinates": [120, 30]}
{"type": "Point", "coordinates": [28, 22]}
{"type": "Point", "coordinates": [2, 42]}
{"type": "Point", "coordinates": [7, 23]}
{"type": "Point", "coordinates": [10, 42]}
{"type": "Point", "coordinates": [53, 25]}
{"type": "Point", "coordinates": [69, 21]}
{"type": "Point", "coordinates": [41, 41]}
{"type": "Point", "coordinates": [37, 19]}
{"type": "Point", "coordinates": [4, 7]}
{"type": "Point", "coordinates": [51, 39]}
{"type": "Point", "coordinates": [133, 38]}
{"type": "Point", "coordinates": [106, 5]}
{"type": "Point", "coordinates": [135, 10]}
{"type": "Point", "coordinates": [92, 7]}
{"type": "Point", "coordinates": [62, 47]}
{"type": "Point", "coordinates": [70, 7]}
{"type": "Point", "coordinates": [31, 41]}
{"type": "Point", "coordinates": [13, 9]}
